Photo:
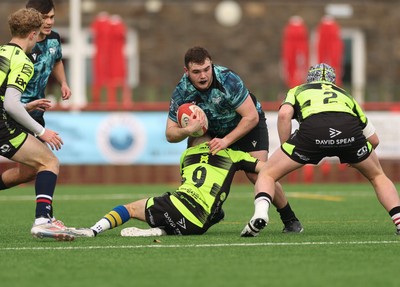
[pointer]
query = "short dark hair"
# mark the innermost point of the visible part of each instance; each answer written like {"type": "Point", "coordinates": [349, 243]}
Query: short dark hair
{"type": "Point", "coordinates": [43, 6]}
{"type": "Point", "coordinates": [196, 55]}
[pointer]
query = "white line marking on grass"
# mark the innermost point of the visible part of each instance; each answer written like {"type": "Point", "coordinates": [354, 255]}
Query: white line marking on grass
{"type": "Point", "coordinates": [199, 245]}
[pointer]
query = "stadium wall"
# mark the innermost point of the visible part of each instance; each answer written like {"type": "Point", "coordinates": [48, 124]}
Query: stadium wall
{"type": "Point", "coordinates": [169, 174]}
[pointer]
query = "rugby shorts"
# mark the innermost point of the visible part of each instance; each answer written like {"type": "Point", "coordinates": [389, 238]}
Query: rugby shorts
{"type": "Point", "coordinates": [255, 140]}
{"type": "Point", "coordinates": [327, 135]}
{"type": "Point", "coordinates": [12, 137]}
{"type": "Point", "coordinates": [161, 212]}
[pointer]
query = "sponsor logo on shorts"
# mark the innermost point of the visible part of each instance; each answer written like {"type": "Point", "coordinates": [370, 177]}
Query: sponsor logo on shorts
{"type": "Point", "coordinates": [344, 141]}
{"type": "Point", "coordinates": [302, 157]}
{"type": "Point", "coordinates": [171, 223]}
{"type": "Point", "coordinates": [169, 220]}
{"type": "Point", "coordinates": [151, 217]}
{"type": "Point", "coordinates": [5, 148]}
{"type": "Point", "coordinates": [182, 223]}
{"type": "Point", "coordinates": [362, 151]}
{"type": "Point", "coordinates": [333, 133]}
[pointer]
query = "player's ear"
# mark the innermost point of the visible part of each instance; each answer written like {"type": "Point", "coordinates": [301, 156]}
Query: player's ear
{"type": "Point", "coordinates": [33, 34]}
{"type": "Point", "coordinates": [186, 71]}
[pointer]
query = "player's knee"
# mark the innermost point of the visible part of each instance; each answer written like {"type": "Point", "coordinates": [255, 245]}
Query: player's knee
{"type": "Point", "coordinates": [51, 163]}
{"type": "Point", "coordinates": [29, 176]}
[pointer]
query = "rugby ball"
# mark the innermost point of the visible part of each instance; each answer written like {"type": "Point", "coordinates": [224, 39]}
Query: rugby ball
{"type": "Point", "coordinates": [183, 114]}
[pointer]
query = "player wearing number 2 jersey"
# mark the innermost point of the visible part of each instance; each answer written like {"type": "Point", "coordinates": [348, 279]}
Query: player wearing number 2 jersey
{"type": "Point", "coordinates": [331, 123]}
{"type": "Point", "coordinates": [194, 206]}
{"type": "Point", "coordinates": [330, 120]}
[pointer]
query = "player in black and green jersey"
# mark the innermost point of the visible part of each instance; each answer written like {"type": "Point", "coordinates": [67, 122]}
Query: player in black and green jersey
{"type": "Point", "coordinates": [331, 123]}
{"type": "Point", "coordinates": [46, 56]}
{"type": "Point", "coordinates": [16, 69]}
{"type": "Point", "coordinates": [194, 206]}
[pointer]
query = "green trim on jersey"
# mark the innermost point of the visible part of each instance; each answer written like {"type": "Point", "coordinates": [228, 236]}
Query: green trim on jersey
{"type": "Point", "coordinates": [207, 179]}
{"type": "Point", "coordinates": [18, 140]}
{"type": "Point", "coordinates": [185, 211]}
{"type": "Point", "coordinates": [16, 69]}
{"type": "Point", "coordinates": [319, 97]}
{"type": "Point", "coordinates": [150, 202]}
{"type": "Point", "coordinates": [289, 148]}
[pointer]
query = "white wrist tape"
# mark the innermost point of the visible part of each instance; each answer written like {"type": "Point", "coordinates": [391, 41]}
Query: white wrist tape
{"type": "Point", "coordinates": [369, 129]}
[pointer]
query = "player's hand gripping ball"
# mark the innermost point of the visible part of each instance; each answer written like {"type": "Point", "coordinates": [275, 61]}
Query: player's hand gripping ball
{"type": "Point", "coordinates": [183, 114]}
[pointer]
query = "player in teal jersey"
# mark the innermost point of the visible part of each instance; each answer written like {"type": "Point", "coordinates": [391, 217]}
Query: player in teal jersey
{"type": "Point", "coordinates": [47, 58]}
{"type": "Point", "coordinates": [331, 123]}
{"type": "Point", "coordinates": [194, 206]}
{"type": "Point", "coordinates": [16, 69]}
{"type": "Point", "coordinates": [235, 117]}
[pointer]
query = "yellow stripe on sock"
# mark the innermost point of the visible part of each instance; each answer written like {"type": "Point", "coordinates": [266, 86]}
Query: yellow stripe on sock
{"type": "Point", "coordinates": [114, 218]}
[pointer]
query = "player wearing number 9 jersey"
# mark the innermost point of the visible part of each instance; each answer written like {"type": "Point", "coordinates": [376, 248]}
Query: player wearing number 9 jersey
{"type": "Point", "coordinates": [194, 206]}
{"type": "Point", "coordinates": [206, 182]}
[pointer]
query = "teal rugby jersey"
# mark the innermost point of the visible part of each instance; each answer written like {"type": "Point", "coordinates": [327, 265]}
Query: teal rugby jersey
{"type": "Point", "coordinates": [319, 97]}
{"type": "Point", "coordinates": [44, 56]}
{"type": "Point", "coordinates": [206, 180]}
{"type": "Point", "coordinates": [219, 102]}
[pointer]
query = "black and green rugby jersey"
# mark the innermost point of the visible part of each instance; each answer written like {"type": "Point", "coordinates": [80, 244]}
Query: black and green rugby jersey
{"type": "Point", "coordinates": [320, 97]}
{"type": "Point", "coordinates": [206, 180]}
{"type": "Point", "coordinates": [16, 69]}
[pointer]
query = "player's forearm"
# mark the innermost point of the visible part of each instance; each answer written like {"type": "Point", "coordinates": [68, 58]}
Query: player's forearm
{"type": "Point", "coordinates": [284, 130]}
{"type": "Point", "coordinates": [244, 127]}
{"type": "Point", "coordinates": [285, 116]}
{"type": "Point", "coordinates": [59, 73]}
{"type": "Point", "coordinates": [14, 107]}
{"type": "Point", "coordinates": [176, 134]}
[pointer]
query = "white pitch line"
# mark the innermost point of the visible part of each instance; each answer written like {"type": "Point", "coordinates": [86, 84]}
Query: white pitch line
{"type": "Point", "coordinates": [199, 245]}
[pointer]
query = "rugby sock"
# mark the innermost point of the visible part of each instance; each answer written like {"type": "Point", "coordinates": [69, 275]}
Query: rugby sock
{"type": "Point", "coordinates": [262, 202]}
{"type": "Point", "coordinates": [286, 213]}
{"type": "Point", "coordinates": [395, 214]}
{"type": "Point", "coordinates": [44, 189]}
{"type": "Point", "coordinates": [118, 216]}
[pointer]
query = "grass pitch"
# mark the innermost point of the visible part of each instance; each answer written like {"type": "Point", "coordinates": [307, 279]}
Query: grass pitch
{"type": "Point", "coordinates": [348, 241]}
